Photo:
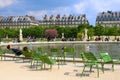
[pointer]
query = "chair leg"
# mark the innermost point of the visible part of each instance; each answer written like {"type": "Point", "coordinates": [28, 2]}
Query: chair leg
{"type": "Point", "coordinates": [97, 70]}
{"type": "Point", "coordinates": [44, 65]}
{"type": "Point", "coordinates": [64, 59]}
{"type": "Point", "coordinates": [58, 63]}
{"type": "Point", "coordinates": [74, 59]}
{"type": "Point", "coordinates": [36, 64]}
{"type": "Point", "coordinates": [50, 67]}
{"type": "Point", "coordinates": [4, 57]}
{"type": "Point", "coordinates": [41, 65]}
{"type": "Point", "coordinates": [31, 63]}
{"type": "Point", "coordinates": [83, 69]}
{"type": "Point", "coordinates": [113, 67]}
{"type": "Point", "coordinates": [102, 67]}
{"type": "Point", "coordinates": [1, 57]}
{"type": "Point", "coordinates": [91, 68]}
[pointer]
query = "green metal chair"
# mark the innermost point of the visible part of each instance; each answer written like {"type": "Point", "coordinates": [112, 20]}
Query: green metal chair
{"type": "Point", "coordinates": [27, 56]}
{"type": "Point", "coordinates": [9, 51]}
{"type": "Point", "coordinates": [36, 59]}
{"type": "Point", "coordinates": [89, 59]}
{"type": "Point", "coordinates": [83, 56]}
{"type": "Point", "coordinates": [39, 59]}
{"type": "Point", "coordinates": [40, 50]}
{"type": "Point", "coordinates": [1, 53]}
{"type": "Point", "coordinates": [46, 60]}
{"type": "Point", "coordinates": [56, 54]}
{"type": "Point", "coordinates": [105, 59]}
{"type": "Point", "coordinates": [69, 51]}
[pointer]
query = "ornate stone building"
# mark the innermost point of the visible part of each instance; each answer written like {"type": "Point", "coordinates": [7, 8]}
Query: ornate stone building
{"type": "Point", "coordinates": [64, 20]}
{"type": "Point", "coordinates": [108, 18]}
{"type": "Point", "coordinates": [17, 21]}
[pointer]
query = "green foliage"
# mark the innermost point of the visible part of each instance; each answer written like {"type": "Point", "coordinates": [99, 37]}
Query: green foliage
{"type": "Point", "coordinates": [114, 31]}
{"type": "Point", "coordinates": [90, 32]}
{"type": "Point", "coordinates": [99, 30]}
{"type": "Point", "coordinates": [60, 31]}
{"type": "Point", "coordinates": [39, 31]}
{"type": "Point", "coordinates": [79, 35]}
{"type": "Point", "coordinates": [81, 27]}
{"type": "Point", "coordinates": [33, 31]}
{"type": "Point", "coordinates": [70, 32]}
{"type": "Point", "coordinates": [9, 32]}
{"type": "Point", "coordinates": [107, 31]}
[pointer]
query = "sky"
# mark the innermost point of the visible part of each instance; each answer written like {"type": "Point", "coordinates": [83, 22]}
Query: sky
{"type": "Point", "coordinates": [39, 8]}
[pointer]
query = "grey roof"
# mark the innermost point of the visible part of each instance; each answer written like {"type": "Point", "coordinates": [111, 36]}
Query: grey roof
{"type": "Point", "coordinates": [65, 17]}
{"type": "Point", "coordinates": [16, 19]}
{"type": "Point", "coordinates": [108, 16]}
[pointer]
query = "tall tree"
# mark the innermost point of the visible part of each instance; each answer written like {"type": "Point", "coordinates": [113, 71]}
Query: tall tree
{"type": "Point", "coordinates": [90, 33]}
{"type": "Point", "coordinates": [99, 30]}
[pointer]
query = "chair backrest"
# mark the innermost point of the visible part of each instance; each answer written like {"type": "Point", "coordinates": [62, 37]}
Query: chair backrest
{"type": "Point", "coordinates": [1, 50]}
{"type": "Point", "coordinates": [106, 57]}
{"type": "Point", "coordinates": [40, 51]}
{"type": "Point", "coordinates": [27, 54]}
{"type": "Point", "coordinates": [34, 54]}
{"type": "Point", "coordinates": [46, 59]}
{"type": "Point", "coordinates": [9, 51]}
{"type": "Point", "coordinates": [54, 50]}
{"type": "Point", "coordinates": [83, 56]}
{"type": "Point", "coordinates": [69, 49]}
{"type": "Point", "coordinates": [90, 56]}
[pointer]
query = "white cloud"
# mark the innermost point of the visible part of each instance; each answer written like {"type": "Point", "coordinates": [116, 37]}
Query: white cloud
{"type": "Point", "coordinates": [97, 5]}
{"type": "Point", "coordinates": [92, 7]}
{"type": "Point", "coordinates": [80, 7]}
{"type": "Point", "coordinates": [40, 13]}
{"type": "Point", "coordinates": [89, 7]}
{"type": "Point", "coordinates": [4, 3]}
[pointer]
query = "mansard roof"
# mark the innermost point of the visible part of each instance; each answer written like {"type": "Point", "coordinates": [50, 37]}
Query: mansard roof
{"type": "Point", "coordinates": [108, 16]}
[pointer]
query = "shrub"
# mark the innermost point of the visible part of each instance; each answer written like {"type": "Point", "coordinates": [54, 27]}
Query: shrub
{"type": "Point", "coordinates": [51, 34]}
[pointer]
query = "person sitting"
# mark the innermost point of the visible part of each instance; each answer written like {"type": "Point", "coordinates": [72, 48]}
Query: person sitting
{"type": "Point", "coordinates": [17, 51]}
{"type": "Point", "coordinates": [26, 49]}
{"type": "Point", "coordinates": [26, 52]}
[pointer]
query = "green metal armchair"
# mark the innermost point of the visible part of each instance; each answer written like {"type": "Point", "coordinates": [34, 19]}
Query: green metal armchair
{"type": "Point", "coordinates": [89, 59]}
{"type": "Point", "coordinates": [69, 51]}
{"type": "Point", "coordinates": [105, 59]}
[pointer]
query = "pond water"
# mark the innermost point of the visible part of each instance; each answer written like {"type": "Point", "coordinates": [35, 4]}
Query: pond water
{"type": "Point", "coordinates": [113, 48]}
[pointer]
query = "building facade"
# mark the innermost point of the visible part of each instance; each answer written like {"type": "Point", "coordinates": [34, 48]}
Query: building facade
{"type": "Point", "coordinates": [64, 20]}
{"type": "Point", "coordinates": [108, 18]}
{"type": "Point", "coordinates": [17, 21]}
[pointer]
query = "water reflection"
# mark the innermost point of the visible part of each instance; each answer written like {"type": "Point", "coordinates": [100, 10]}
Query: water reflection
{"type": "Point", "coordinates": [112, 48]}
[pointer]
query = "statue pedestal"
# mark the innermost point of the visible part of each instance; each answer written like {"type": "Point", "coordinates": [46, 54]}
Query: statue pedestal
{"type": "Point", "coordinates": [85, 35]}
{"type": "Point", "coordinates": [62, 35]}
{"type": "Point", "coordinates": [20, 38]}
